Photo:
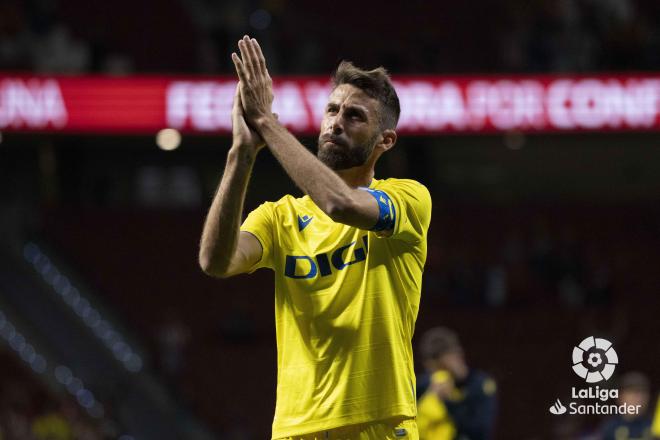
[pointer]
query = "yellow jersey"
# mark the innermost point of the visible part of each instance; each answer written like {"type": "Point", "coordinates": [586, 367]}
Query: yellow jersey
{"type": "Point", "coordinates": [433, 420]}
{"type": "Point", "coordinates": [346, 302]}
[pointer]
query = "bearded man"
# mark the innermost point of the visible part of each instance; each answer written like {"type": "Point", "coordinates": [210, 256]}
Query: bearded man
{"type": "Point", "coordinates": [347, 257]}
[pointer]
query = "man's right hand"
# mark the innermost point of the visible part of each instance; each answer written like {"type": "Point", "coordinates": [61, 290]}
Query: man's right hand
{"type": "Point", "coordinates": [243, 136]}
{"type": "Point", "coordinates": [442, 384]}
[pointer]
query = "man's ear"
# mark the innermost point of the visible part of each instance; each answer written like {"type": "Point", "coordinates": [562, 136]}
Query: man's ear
{"type": "Point", "coordinates": [389, 139]}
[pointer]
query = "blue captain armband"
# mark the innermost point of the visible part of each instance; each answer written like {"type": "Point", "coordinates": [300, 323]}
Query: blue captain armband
{"type": "Point", "coordinates": [386, 210]}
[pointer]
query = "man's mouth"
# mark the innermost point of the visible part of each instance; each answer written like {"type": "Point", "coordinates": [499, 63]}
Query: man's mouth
{"type": "Point", "coordinates": [336, 142]}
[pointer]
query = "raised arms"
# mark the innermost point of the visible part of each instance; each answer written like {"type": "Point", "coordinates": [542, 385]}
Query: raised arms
{"type": "Point", "coordinates": [330, 193]}
{"type": "Point", "coordinates": [224, 250]}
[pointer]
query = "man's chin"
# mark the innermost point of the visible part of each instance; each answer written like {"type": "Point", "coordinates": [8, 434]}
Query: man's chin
{"type": "Point", "coordinates": [329, 162]}
{"type": "Point", "coordinates": [339, 157]}
{"type": "Point", "coordinates": [333, 160]}
{"type": "Point", "coordinates": [339, 164]}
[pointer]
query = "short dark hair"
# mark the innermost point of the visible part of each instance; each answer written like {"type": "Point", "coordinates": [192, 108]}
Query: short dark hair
{"type": "Point", "coordinates": [375, 83]}
{"type": "Point", "coordinates": [438, 341]}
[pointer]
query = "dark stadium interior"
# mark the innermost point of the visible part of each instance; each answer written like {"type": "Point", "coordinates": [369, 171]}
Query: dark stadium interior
{"type": "Point", "coordinates": [536, 240]}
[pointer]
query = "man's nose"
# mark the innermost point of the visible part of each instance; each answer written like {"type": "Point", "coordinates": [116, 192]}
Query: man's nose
{"type": "Point", "coordinates": [336, 125]}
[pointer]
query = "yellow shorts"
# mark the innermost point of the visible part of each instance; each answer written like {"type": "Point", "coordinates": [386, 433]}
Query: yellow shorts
{"type": "Point", "coordinates": [390, 429]}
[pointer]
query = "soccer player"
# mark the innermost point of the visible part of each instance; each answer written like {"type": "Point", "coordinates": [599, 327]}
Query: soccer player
{"type": "Point", "coordinates": [347, 257]}
{"type": "Point", "coordinates": [466, 395]}
{"type": "Point", "coordinates": [433, 420]}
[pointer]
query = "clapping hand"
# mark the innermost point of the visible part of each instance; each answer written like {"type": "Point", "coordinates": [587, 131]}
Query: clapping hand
{"type": "Point", "coordinates": [255, 85]}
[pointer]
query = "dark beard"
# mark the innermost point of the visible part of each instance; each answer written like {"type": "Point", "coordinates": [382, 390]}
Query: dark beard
{"type": "Point", "coordinates": [342, 158]}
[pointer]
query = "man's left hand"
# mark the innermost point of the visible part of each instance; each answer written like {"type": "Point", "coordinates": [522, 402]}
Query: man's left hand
{"type": "Point", "coordinates": [256, 85]}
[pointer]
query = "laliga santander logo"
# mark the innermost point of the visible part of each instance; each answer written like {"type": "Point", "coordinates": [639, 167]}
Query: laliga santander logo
{"type": "Point", "coordinates": [594, 359]}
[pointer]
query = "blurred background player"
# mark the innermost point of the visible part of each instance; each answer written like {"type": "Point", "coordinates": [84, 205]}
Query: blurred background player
{"type": "Point", "coordinates": [459, 402]}
{"type": "Point", "coordinates": [634, 389]}
{"type": "Point", "coordinates": [433, 419]}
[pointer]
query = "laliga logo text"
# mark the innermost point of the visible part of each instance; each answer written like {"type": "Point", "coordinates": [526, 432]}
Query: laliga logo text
{"type": "Point", "coordinates": [594, 360]}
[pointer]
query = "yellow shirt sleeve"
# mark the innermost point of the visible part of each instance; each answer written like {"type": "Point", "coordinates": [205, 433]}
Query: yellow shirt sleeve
{"type": "Point", "coordinates": [412, 204]}
{"type": "Point", "coordinates": [260, 223]}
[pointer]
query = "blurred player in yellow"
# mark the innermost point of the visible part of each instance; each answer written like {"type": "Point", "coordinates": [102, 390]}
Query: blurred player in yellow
{"type": "Point", "coordinates": [460, 402]}
{"type": "Point", "coordinates": [347, 257]}
{"type": "Point", "coordinates": [433, 420]}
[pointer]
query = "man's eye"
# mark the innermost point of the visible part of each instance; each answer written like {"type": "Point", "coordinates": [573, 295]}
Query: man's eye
{"type": "Point", "coordinates": [332, 110]}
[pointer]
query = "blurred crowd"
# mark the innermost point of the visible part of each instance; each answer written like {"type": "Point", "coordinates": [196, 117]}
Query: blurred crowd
{"type": "Point", "coordinates": [34, 37]}
{"type": "Point", "coordinates": [580, 35]}
{"type": "Point", "coordinates": [197, 36]}
{"type": "Point", "coordinates": [528, 265]}
{"type": "Point", "coordinates": [30, 411]}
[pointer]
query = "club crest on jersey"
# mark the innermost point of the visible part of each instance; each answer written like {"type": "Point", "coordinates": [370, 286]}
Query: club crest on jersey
{"type": "Point", "coordinates": [324, 262]}
{"type": "Point", "coordinates": [303, 221]}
